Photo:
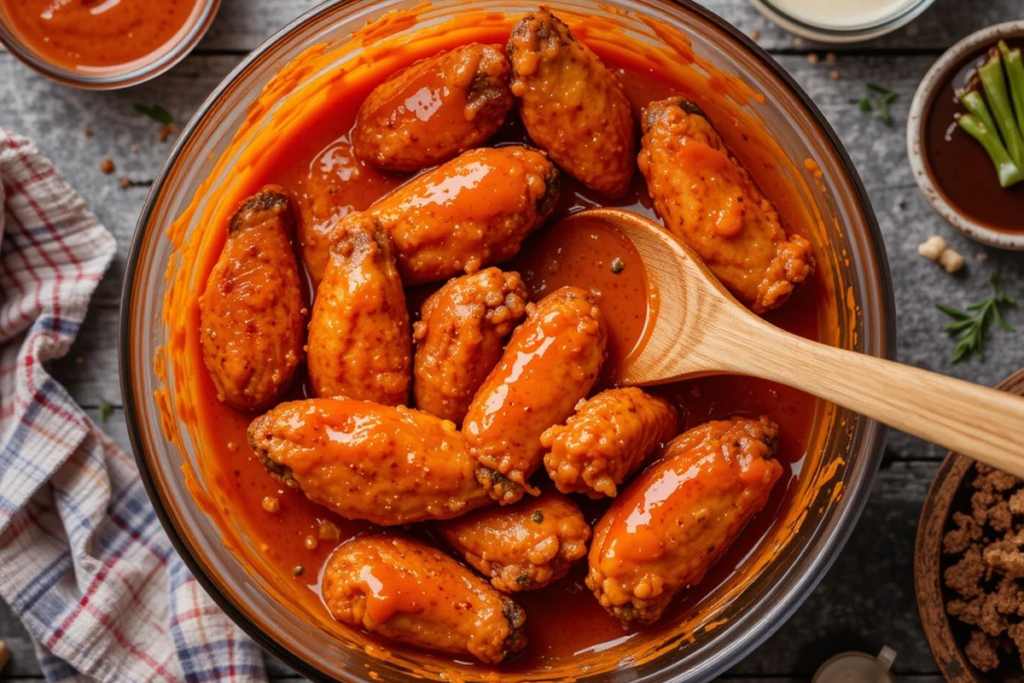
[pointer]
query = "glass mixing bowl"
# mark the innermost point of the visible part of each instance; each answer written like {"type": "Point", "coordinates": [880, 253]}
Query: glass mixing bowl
{"type": "Point", "coordinates": [818, 515]}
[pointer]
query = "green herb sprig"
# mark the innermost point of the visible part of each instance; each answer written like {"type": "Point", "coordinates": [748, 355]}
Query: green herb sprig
{"type": "Point", "coordinates": [884, 97]}
{"type": "Point", "coordinates": [106, 410]}
{"type": "Point", "coordinates": [971, 326]}
{"type": "Point", "coordinates": [156, 112]}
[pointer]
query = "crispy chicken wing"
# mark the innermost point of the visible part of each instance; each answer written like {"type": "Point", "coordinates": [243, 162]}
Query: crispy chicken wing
{"type": "Point", "coordinates": [707, 199]}
{"type": "Point", "coordinates": [460, 337]}
{"type": "Point", "coordinates": [406, 590]}
{"type": "Point", "coordinates": [523, 546]}
{"type": "Point", "coordinates": [676, 519]}
{"type": "Point", "coordinates": [389, 465]}
{"type": "Point", "coordinates": [608, 438]}
{"type": "Point", "coordinates": [471, 212]}
{"type": "Point", "coordinates": [360, 345]}
{"type": "Point", "coordinates": [434, 109]}
{"type": "Point", "coordinates": [251, 314]}
{"type": "Point", "coordinates": [573, 107]}
{"type": "Point", "coordinates": [551, 362]}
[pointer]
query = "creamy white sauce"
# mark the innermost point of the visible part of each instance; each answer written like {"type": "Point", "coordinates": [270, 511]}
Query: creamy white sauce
{"type": "Point", "coordinates": [842, 14]}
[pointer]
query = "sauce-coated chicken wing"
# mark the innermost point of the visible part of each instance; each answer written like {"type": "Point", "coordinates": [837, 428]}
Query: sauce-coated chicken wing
{"type": "Point", "coordinates": [388, 465]}
{"type": "Point", "coordinates": [676, 519]}
{"type": "Point", "coordinates": [460, 337]}
{"type": "Point", "coordinates": [471, 212]}
{"type": "Point", "coordinates": [360, 344]}
{"type": "Point", "coordinates": [571, 104]}
{"type": "Point", "coordinates": [608, 438]}
{"type": "Point", "coordinates": [406, 590]}
{"type": "Point", "coordinates": [434, 109]}
{"type": "Point", "coordinates": [708, 200]}
{"type": "Point", "coordinates": [523, 546]}
{"type": "Point", "coordinates": [251, 312]}
{"type": "Point", "coordinates": [551, 362]}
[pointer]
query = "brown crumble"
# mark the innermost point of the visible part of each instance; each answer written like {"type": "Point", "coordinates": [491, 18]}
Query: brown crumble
{"type": "Point", "coordinates": [107, 166]}
{"type": "Point", "coordinates": [834, 74]}
{"type": "Point", "coordinates": [88, 132]}
{"type": "Point", "coordinates": [125, 183]}
{"type": "Point", "coordinates": [755, 34]}
{"type": "Point", "coordinates": [813, 58]}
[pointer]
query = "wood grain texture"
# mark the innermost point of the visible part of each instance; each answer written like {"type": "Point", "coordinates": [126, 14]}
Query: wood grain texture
{"type": "Point", "coordinates": [867, 598]}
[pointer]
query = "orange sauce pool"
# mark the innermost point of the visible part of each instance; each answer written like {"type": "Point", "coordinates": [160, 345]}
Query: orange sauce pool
{"type": "Point", "coordinates": [564, 621]}
{"type": "Point", "coordinates": [99, 37]}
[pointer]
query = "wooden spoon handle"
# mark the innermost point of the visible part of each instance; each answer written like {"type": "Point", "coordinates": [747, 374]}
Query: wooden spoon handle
{"type": "Point", "coordinates": [983, 423]}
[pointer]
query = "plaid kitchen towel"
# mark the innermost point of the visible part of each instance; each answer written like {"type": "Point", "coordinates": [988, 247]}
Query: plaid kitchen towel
{"type": "Point", "coordinates": [83, 560]}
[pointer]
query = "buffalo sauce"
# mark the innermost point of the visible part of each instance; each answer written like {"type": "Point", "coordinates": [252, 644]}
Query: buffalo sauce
{"type": "Point", "coordinates": [99, 37]}
{"type": "Point", "coordinates": [564, 620]}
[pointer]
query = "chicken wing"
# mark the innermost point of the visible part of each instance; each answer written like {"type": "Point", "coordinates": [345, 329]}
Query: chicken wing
{"type": "Point", "coordinates": [679, 517]}
{"type": "Point", "coordinates": [573, 107]}
{"type": "Point", "coordinates": [460, 337]}
{"type": "Point", "coordinates": [406, 590]}
{"type": "Point", "coordinates": [523, 546]}
{"type": "Point", "coordinates": [551, 362]}
{"type": "Point", "coordinates": [471, 212]}
{"type": "Point", "coordinates": [608, 438]}
{"type": "Point", "coordinates": [251, 314]}
{"type": "Point", "coordinates": [360, 344]}
{"type": "Point", "coordinates": [434, 109]}
{"type": "Point", "coordinates": [708, 200]}
{"type": "Point", "coordinates": [389, 465]}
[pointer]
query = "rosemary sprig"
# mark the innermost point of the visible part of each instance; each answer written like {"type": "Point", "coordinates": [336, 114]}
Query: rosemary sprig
{"type": "Point", "coordinates": [971, 325]}
{"type": "Point", "coordinates": [156, 112]}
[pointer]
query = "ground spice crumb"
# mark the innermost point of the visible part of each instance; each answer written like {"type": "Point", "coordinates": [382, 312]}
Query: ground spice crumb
{"type": "Point", "coordinates": [830, 57]}
{"type": "Point", "coordinates": [79, 360]}
{"type": "Point", "coordinates": [798, 42]}
{"type": "Point", "coordinates": [88, 132]}
{"type": "Point", "coordinates": [125, 183]}
{"type": "Point", "coordinates": [834, 74]}
{"type": "Point", "coordinates": [167, 131]}
{"type": "Point", "coordinates": [298, 570]}
{"type": "Point", "coordinates": [813, 58]}
{"type": "Point", "coordinates": [755, 34]}
{"type": "Point", "coordinates": [107, 166]}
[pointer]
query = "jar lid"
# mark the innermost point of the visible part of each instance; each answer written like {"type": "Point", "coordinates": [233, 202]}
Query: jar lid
{"type": "Point", "coordinates": [857, 667]}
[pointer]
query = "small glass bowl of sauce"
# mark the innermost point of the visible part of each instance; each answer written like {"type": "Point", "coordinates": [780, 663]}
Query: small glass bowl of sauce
{"type": "Point", "coordinates": [951, 168]}
{"type": "Point", "coordinates": [103, 44]}
{"type": "Point", "coordinates": [841, 21]}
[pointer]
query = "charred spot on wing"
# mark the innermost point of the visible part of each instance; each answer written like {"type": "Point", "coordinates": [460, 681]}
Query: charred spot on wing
{"type": "Point", "coordinates": [691, 107]}
{"type": "Point", "coordinates": [270, 199]}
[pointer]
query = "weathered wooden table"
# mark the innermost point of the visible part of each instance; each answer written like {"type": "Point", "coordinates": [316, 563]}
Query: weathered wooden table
{"type": "Point", "coordinates": [867, 599]}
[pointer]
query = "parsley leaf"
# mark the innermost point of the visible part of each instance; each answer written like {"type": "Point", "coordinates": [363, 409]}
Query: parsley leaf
{"type": "Point", "coordinates": [106, 410]}
{"type": "Point", "coordinates": [156, 112]}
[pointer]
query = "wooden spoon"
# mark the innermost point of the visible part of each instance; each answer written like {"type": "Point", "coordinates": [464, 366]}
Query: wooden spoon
{"type": "Point", "coordinates": [700, 329]}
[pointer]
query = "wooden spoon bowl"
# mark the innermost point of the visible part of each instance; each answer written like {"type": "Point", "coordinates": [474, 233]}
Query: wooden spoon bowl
{"type": "Point", "coordinates": [697, 328]}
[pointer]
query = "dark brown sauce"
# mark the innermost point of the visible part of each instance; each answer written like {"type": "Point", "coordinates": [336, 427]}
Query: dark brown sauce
{"type": "Point", "coordinates": [961, 168]}
{"type": "Point", "coordinates": [564, 619]}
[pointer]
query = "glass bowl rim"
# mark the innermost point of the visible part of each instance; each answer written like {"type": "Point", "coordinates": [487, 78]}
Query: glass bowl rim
{"type": "Point", "coordinates": [874, 437]}
{"type": "Point", "coordinates": [115, 81]}
{"type": "Point", "coordinates": [840, 36]}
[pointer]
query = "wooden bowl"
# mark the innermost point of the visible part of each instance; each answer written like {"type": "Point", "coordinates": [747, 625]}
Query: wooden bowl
{"type": "Point", "coordinates": [947, 651]}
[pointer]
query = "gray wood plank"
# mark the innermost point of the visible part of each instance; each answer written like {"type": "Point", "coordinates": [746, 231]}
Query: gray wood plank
{"type": "Point", "coordinates": [242, 25]}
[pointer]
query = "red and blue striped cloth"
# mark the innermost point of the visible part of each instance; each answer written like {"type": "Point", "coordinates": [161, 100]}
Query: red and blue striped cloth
{"type": "Point", "coordinates": [83, 560]}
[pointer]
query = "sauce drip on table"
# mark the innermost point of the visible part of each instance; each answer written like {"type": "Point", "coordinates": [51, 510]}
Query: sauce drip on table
{"type": "Point", "coordinates": [98, 37]}
{"type": "Point", "coordinates": [564, 619]}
